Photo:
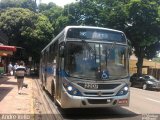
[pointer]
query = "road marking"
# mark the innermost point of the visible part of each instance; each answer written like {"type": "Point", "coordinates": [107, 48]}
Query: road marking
{"type": "Point", "coordinates": [153, 100]}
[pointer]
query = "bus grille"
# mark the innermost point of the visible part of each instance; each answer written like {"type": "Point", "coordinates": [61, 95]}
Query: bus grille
{"type": "Point", "coordinates": [102, 86]}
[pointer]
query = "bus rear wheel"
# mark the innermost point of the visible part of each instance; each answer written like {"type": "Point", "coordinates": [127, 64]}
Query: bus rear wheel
{"type": "Point", "coordinates": [42, 84]}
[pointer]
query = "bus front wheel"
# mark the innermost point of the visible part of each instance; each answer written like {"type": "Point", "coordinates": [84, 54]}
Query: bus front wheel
{"type": "Point", "coordinates": [53, 94]}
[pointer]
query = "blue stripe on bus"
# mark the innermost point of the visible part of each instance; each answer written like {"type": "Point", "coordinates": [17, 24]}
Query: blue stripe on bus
{"type": "Point", "coordinates": [62, 73]}
{"type": "Point", "coordinates": [50, 70]}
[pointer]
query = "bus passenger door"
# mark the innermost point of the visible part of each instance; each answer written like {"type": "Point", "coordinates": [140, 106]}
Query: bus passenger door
{"type": "Point", "coordinates": [60, 74]}
{"type": "Point", "coordinates": [45, 70]}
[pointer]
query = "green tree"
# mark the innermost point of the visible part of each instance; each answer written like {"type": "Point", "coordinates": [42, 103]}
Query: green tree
{"type": "Point", "coordinates": [56, 16]}
{"type": "Point", "coordinates": [9, 3]}
{"type": "Point", "coordinates": [105, 13]}
{"type": "Point", "coordinates": [26, 29]}
{"type": "Point", "coordinates": [45, 7]}
{"type": "Point", "coordinates": [84, 12]}
{"type": "Point", "coordinates": [30, 4]}
{"type": "Point", "coordinates": [143, 28]}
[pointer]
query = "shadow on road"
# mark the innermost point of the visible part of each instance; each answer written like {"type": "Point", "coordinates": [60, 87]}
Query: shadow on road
{"type": "Point", "coordinates": [98, 113]}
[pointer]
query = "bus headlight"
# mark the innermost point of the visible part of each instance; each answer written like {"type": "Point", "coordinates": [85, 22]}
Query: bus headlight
{"type": "Point", "coordinates": [123, 91]}
{"type": "Point", "coordinates": [71, 90]}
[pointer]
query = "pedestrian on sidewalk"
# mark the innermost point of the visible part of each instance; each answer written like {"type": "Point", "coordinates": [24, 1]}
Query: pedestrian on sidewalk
{"type": "Point", "coordinates": [14, 68]}
{"type": "Point", "coordinates": [10, 68]}
{"type": "Point", "coordinates": [20, 72]}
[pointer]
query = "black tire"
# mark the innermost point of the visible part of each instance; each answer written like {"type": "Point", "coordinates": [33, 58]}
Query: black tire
{"type": "Point", "coordinates": [42, 85]}
{"type": "Point", "coordinates": [53, 91]}
{"type": "Point", "coordinates": [132, 85]}
{"type": "Point", "coordinates": [53, 94]}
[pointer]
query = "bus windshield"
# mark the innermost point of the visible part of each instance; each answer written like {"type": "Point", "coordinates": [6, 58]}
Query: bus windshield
{"type": "Point", "coordinates": [96, 61]}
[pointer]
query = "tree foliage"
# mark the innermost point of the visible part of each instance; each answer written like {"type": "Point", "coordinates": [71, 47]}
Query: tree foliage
{"type": "Point", "coordinates": [29, 4]}
{"type": "Point", "coordinates": [143, 29]}
{"type": "Point", "coordinates": [27, 29]}
{"type": "Point", "coordinates": [55, 15]}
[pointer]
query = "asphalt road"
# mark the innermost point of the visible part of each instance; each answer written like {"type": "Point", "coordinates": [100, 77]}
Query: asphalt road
{"type": "Point", "coordinates": [144, 101]}
{"type": "Point", "coordinates": [144, 105]}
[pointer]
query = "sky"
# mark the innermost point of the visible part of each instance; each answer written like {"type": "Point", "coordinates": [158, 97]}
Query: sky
{"type": "Point", "coordinates": [58, 2]}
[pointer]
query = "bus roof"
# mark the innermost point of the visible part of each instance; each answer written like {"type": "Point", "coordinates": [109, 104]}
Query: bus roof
{"type": "Point", "coordinates": [92, 27]}
{"type": "Point", "coordinates": [63, 32]}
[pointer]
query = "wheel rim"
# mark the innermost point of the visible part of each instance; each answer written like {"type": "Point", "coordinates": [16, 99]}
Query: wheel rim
{"type": "Point", "coordinates": [144, 86]}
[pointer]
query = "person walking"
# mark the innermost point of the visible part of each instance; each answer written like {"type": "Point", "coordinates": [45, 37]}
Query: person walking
{"type": "Point", "coordinates": [14, 68]}
{"type": "Point", "coordinates": [10, 68]}
{"type": "Point", "coordinates": [20, 72]}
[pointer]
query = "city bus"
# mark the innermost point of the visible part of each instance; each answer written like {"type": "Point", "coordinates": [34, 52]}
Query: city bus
{"type": "Point", "coordinates": [86, 66]}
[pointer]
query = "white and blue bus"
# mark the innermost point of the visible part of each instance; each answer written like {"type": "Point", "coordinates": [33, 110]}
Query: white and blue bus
{"type": "Point", "coordinates": [86, 66]}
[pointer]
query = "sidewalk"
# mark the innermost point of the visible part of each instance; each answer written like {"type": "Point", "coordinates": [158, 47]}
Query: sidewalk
{"type": "Point", "coordinates": [13, 103]}
{"type": "Point", "coordinates": [29, 105]}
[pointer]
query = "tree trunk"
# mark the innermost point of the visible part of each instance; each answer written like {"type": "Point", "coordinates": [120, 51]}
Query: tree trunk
{"type": "Point", "coordinates": [140, 60]}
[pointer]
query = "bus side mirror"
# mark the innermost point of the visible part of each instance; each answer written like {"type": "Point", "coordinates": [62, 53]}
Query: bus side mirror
{"type": "Point", "coordinates": [61, 51]}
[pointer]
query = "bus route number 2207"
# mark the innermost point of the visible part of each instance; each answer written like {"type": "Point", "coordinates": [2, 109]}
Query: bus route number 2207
{"type": "Point", "coordinates": [91, 86]}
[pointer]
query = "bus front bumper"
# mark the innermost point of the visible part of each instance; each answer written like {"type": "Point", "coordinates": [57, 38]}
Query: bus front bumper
{"type": "Point", "coordinates": [69, 101]}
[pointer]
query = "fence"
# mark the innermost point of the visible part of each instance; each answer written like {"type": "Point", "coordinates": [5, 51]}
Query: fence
{"type": "Point", "coordinates": [154, 72]}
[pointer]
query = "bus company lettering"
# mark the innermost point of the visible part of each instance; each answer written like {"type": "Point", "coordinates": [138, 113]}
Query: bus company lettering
{"type": "Point", "coordinates": [91, 86]}
{"type": "Point", "coordinates": [15, 117]}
